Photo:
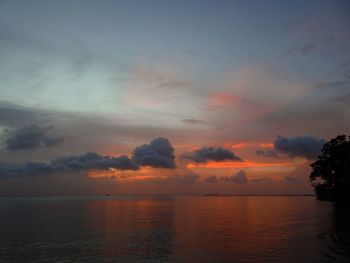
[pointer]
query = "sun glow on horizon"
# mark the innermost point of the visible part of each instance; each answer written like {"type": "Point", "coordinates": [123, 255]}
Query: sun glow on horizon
{"type": "Point", "coordinates": [283, 166]}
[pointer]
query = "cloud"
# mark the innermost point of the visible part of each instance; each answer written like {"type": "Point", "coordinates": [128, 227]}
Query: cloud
{"type": "Point", "coordinates": [30, 138]}
{"type": "Point", "coordinates": [193, 121]}
{"type": "Point", "coordinates": [320, 110]}
{"type": "Point", "coordinates": [91, 161]}
{"type": "Point", "coordinates": [302, 146]}
{"type": "Point", "coordinates": [267, 153]}
{"type": "Point", "coordinates": [13, 115]}
{"type": "Point", "coordinates": [149, 86]}
{"type": "Point", "coordinates": [211, 179]}
{"type": "Point", "coordinates": [158, 154]}
{"type": "Point", "coordinates": [86, 131]}
{"type": "Point", "coordinates": [85, 162]}
{"type": "Point", "coordinates": [159, 78]}
{"type": "Point", "coordinates": [217, 154]}
{"type": "Point", "coordinates": [240, 178]}
{"type": "Point", "coordinates": [304, 49]}
{"type": "Point", "coordinates": [30, 168]}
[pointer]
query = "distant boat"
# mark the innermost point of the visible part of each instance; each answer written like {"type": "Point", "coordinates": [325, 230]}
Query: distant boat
{"type": "Point", "coordinates": [213, 194]}
{"type": "Point", "coordinates": [108, 194]}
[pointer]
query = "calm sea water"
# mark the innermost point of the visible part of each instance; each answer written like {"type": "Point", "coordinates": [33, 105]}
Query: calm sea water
{"type": "Point", "coordinates": [172, 229]}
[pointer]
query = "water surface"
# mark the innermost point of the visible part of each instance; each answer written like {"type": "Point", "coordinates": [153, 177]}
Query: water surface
{"type": "Point", "coordinates": [172, 229]}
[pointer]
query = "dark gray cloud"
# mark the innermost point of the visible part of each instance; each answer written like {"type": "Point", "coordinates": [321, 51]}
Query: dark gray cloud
{"type": "Point", "coordinates": [267, 153]}
{"type": "Point", "coordinates": [217, 154]}
{"type": "Point", "coordinates": [240, 178]}
{"type": "Point", "coordinates": [91, 160]}
{"type": "Point", "coordinates": [193, 121]}
{"type": "Point", "coordinates": [159, 153]}
{"type": "Point", "coordinates": [13, 115]}
{"type": "Point", "coordinates": [30, 168]}
{"type": "Point", "coordinates": [30, 138]}
{"type": "Point", "coordinates": [84, 131]}
{"type": "Point", "coordinates": [85, 162]}
{"type": "Point", "coordinates": [302, 146]}
{"type": "Point", "coordinates": [211, 179]}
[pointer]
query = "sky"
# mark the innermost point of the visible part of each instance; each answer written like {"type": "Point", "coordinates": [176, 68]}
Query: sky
{"type": "Point", "coordinates": [169, 97]}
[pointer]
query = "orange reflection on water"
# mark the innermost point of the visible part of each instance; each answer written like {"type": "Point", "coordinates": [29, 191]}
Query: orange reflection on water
{"type": "Point", "coordinates": [132, 225]}
{"type": "Point", "coordinates": [231, 227]}
{"type": "Point", "coordinates": [199, 229]}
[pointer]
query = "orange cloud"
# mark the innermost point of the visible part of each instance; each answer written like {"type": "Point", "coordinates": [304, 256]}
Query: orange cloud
{"type": "Point", "coordinates": [246, 164]}
{"type": "Point", "coordinates": [143, 173]}
{"type": "Point", "coordinates": [266, 145]}
{"type": "Point", "coordinates": [243, 145]}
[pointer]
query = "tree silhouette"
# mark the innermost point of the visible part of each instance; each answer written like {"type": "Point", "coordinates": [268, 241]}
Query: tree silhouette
{"type": "Point", "coordinates": [331, 172]}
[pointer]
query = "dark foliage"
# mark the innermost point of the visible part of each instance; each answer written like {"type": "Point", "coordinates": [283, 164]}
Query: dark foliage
{"type": "Point", "coordinates": [331, 172]}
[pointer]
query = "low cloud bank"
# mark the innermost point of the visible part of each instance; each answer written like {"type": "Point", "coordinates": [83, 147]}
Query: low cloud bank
{"type": "Point", "coordinates": [158, 154]}
{"type": "Point", "coordinates": [238, 178]}
{"type": "Point", "coordinates": [217, 154]}
{"type": "Point", "coordinates": [85, 162]}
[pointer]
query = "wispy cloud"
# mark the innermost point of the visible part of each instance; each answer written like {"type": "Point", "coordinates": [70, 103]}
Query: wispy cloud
{"type": "Point", "coordinates": [267, 153]}
{"type": "Point", "coordinates": [304, 49]}
{"type": "Point", "coordinates": [193, 121]}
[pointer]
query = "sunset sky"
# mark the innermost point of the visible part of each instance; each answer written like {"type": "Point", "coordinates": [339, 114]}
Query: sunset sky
{"type": "Point", "coordinates": [231, 97]}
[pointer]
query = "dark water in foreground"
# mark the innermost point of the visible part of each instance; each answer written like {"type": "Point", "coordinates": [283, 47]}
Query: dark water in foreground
{"type": "Point", "coordinates": [172, 229]}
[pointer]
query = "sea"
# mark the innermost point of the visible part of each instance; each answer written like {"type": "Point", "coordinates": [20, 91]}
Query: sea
{"type": "Point", "coordinates": [173, 229]}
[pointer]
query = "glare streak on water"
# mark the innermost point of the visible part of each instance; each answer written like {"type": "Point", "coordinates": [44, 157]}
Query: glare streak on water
{"type": "Point", "coordinates": [172, 229]}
